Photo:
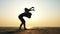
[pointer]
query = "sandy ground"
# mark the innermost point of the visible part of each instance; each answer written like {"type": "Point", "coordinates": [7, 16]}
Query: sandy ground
{"type": "Point", "coordinates": [14, 30]}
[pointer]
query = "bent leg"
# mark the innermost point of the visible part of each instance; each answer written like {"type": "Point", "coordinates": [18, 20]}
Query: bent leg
{"type": "Point", "coordinates": [20, 26]}
{"type": "Point", "coordinates": [23, 23]}
{"type": "Point", "coordinates": [24, 26]}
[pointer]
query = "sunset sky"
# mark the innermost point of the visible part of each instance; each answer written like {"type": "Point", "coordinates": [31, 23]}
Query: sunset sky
{"type": "Point", "coordinates": [46, 14]}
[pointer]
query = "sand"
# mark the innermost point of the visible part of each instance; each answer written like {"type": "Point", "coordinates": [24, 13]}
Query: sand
{"type": "Point", "coordinates": [14, 30]}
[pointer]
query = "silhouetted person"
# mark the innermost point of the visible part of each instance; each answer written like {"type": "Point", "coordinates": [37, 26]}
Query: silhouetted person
{"type": "Point", "coordinates": [25, 14]}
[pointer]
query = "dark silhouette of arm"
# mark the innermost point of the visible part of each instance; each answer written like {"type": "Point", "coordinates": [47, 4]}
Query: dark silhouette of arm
{"type": "Point", "coordinates": [32, 9]}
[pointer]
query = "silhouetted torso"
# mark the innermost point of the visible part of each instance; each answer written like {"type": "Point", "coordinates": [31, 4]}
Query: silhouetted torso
{"type": "Point", "coordinates": [25, 15]}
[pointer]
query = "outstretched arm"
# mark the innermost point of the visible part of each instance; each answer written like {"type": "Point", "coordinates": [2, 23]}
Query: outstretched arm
{"type": "Point", "coordinates": [32, 9]}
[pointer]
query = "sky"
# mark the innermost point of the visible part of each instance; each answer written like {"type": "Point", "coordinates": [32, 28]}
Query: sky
{"type": "Point", "coordinates": [46, 14]}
